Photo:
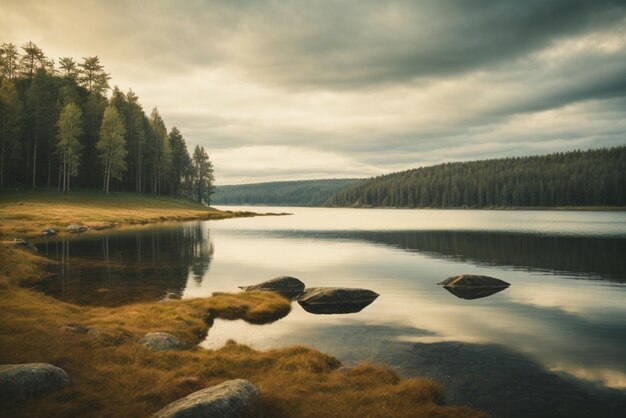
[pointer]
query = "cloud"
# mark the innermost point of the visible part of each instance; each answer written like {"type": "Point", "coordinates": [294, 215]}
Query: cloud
{"type": "Point", "coordinates": [248, 164]}
{"type": "Point", "coordinates": [381, 85]}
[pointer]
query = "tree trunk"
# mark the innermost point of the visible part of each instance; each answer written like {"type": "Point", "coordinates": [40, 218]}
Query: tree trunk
{"type": "Point", "coordinates": [138, 169]}
{"type": "Point", "coordinates": [49, 163]}
{"type": "Point", "coordinates": [108, 174]}
{"type": "Point", "coordinates": [35, 164]}
{"type": "Point", "coordinates": [60, 170]}
{"type": "Point", "coordinates": [104, 178]}
{"type": "Point", "coordinates": [2, 166]}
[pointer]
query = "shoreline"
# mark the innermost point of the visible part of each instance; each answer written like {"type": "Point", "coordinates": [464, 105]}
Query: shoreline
{"type": "Point", "coordinates": [26, 214]}
{"type": "Point", "coordinates": [294, 381]}
{"type": "Point", "coordinates": [494, 208]}
{"type": "Point", "coordinates": [96, 344]}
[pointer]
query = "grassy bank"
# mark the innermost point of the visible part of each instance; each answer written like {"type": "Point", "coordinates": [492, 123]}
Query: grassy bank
{"type": "Point", "coordinates": [112, 375]}
{"type": "Point", "coordinates": [26, 213]}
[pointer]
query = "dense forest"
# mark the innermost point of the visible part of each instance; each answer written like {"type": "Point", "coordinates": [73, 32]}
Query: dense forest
{"type": "Point", "coordinates": [281, 193]}
{"type": "Point", "coordinates": [58, 129]}
{"type": "Point", "coordinates": [577, 178]}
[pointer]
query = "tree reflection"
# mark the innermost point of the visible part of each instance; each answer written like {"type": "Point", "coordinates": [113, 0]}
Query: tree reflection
{"type": "Point", "coordinates": [593, 257]}
{"type": "Point", "coordinates": [125, 267]}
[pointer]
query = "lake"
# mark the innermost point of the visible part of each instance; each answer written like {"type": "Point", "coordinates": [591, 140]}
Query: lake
{"type": "Point", "coordinates": [552, 344]}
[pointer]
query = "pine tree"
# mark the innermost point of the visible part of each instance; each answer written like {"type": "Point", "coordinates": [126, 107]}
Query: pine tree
{"type": "Point", "coordinates": [69, 68]}
{"type": "Point", "coordinates": [180, 161]}
{"type": "Point", "coordinates": [112, 146]}
{"type": "Point", "coordinates": [162, 151]}
{"type": "Point", "coordinates": [33, 59]}
{"type": "Point", "coordinates": [68, 145]}
{"type": "Point", "coordinates": [9, 61]}
{"type": "Point", "coordinates": [204, 178]}
{"type": "Point", "coordinates": [92, 75]}
{"type": "Point", "coordinates": [10, 123]}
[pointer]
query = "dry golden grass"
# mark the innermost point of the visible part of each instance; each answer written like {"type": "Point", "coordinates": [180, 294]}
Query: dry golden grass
{"type": "Point", "coordinates": [113, 376]}
{"type": "Point", "coordinates": [26, 213]}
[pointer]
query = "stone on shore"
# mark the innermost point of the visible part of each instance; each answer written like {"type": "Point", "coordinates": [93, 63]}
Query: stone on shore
{"type": "Point", "coordinates": [19, 382]}
{"type": "Point", "coordinates": [285, 285]}
{"type": "Point", "coordinates": [48, 232]}
{"type": "Point", "coordinates": [24, 245]}
{"type": "Point", "coordinates": [159, 341]}
{"type": "Point", "coordinates": [232, 399]}
{"type": "Point", "coordinates": [76, 229]}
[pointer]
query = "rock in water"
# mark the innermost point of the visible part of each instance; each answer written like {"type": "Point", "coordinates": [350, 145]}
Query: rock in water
{"type": "Point", "coordinates": [159, 341]}
{"type": "Point", "coordinates": [335, 300]}
{"type": "Point", "coordinates": [285, 285]}
{"type": "Point", "coordinates": [232, 399]}
{"type": "Point", "coordinates": [23, 381]}
{"type": "Point", "coordinates": [474, 281]}
{"type": "Point", "coordinates": [472, 286]}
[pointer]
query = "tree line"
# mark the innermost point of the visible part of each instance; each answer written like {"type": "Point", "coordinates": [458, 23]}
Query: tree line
{"type": "Point", "coordinates": [577, 178]}
{"type": "Point", "coordinates": [58, 129]}
{"type": "Point", "coordinates": [281, 193]}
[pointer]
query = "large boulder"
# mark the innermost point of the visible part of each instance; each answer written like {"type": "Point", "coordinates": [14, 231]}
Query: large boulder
{"type": "Point", "coordinates": [473, 286]}
{"type": "Point", "coordinates": [285, 285]}
{"type": "Point", "coordinates": [159, 341]}
{"type": "Point", "coordinates": [19, 382]}
{"type": "Point", "coordinates": [232, 399]}
{"type": "Point", "coordinates": [335, 300]}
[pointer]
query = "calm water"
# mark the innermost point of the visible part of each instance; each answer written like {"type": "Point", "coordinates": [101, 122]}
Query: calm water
{"type": "Point", "coordinates": [552, 344]}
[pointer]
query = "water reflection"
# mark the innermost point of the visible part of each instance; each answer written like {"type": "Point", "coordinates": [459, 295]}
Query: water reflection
{"type": "Point", "coordinates": [335, 308]}
{"type": "Point", "coordinates": [590, 257]}
{"type": "Point", "coordinates": [471, 294]}
{"type": "Point", "coordinates": [550, 342]}
{"type": "Point", "coordinates": [125, 267]}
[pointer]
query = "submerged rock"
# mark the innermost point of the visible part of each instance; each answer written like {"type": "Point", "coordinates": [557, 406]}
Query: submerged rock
{"type": "Point", "coordinates": [159, 341]}
{"type": "Point", "coordinates": [472, 286]}
{"type": "Point", "coordinates": [335, 300]}
{"type": "Point", "coordinates": [76, 228]}
{"type": "Point", "coordinates": [24, 245]}
{"type": "Point", "coordinates": [23, 381]}
{"type": "Point", "coordinates": [234, 398]}
{"type": "Point", "coordinates": [285, 285]}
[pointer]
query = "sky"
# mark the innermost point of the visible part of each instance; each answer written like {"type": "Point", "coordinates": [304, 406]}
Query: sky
{"type": "Point", "coordinates": [296, 89]}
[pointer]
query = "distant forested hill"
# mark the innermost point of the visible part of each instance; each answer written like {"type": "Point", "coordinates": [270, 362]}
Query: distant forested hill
{"type": "Point", "coordinates": [282, 193]}
{"type": "Point", "coordinates": [577, 178]}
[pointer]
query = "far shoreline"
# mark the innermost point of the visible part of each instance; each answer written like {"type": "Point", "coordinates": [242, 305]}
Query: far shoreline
{"type": "Point", "coordinates": [490, 208]}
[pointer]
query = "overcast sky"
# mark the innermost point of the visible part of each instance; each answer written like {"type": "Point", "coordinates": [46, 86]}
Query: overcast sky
{"type": "Point", "coordinates": [301, 89]}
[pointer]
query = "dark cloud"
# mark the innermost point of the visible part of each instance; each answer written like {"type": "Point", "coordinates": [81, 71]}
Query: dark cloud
{"type": "Point", "coordinates": [332, 44]}
{"type": "Point", "coordinates": [383, 85]}
{"type": "Point", "coordinates": [364, 43]}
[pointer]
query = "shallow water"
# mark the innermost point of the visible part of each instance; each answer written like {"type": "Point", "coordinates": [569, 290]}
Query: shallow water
{"type": "Point", "coordinates": [552, 344]}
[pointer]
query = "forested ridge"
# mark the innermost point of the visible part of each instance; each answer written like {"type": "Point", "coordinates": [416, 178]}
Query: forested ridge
{"type": "Point", "coordinates": [577, 178]}
{"type": "Point", "coordinates": [59, 130]}
{"type": "Point", "coordinates": [281, 193]}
